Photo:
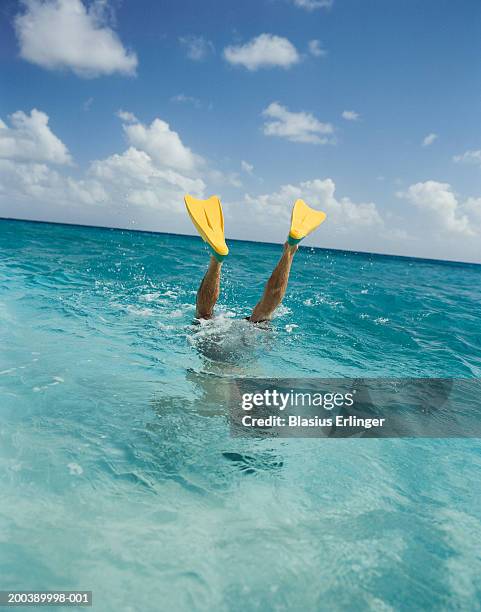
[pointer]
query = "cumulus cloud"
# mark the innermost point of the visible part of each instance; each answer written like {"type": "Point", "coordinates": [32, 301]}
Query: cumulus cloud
{"type": "Point", "coordinates": [154, 172]}
{"type": "Point", "coordinates": [248, 168]}
{"type": "Point", "coordinates": [469, 157]}
{"type": "Point", "coordinates": [429, 139]}
{"type": "Point", "coordinates": [64, 34]}
{"type": "Point", "coordinates": [473, 205]}
{"type": "Point", "coordinates": [144, 186]}
{"type": "Point", "coordinates": [296, 127]}
{"type": "Point", "coordinates": [442, 205]}
{"type": "Point", "coordinates": [117, 183]}
{"type": "Point", "coordinates": [264, 51]}
{"type": "Point", "coordinates": [161, 143]}
{"type": "Point", "coordinates": [183, 99]}
{"type": "Point", "coordinates": [141, 177]}
{"type": "Point", "coordinates": [135, 178]}
{"type": "Point", "coordinates": [352, 224]}
{"type": "Point", "coordinates": [30, 138]}
{"type": "Point", "coordinates": [319, 193]}
{"type": "Point", "coordinates": [315, 48]}
{"type": "Point", "coordinates": [312, 5]}
{"type": "Point", "coordinates": [350, 115]}
{"type": "Point", "coordinates": [126, 116]}
{"type": "Point", "coordinates": [197, 48]}
{"type": "Point", "coordinates": [349, 224]}
{"type": "Point", "coordinates": [35, 183]}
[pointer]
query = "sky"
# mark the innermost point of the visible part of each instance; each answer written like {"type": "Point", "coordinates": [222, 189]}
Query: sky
{"type": "Point", "coordinates": [110, 111]}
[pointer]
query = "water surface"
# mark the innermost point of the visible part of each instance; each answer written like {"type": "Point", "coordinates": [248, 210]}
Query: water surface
{"type": "Point", "coordinates": [117, 469]}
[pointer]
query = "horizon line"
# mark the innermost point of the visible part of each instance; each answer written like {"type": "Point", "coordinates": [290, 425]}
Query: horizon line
{"type": "Point", "coordinates": [317, 248]}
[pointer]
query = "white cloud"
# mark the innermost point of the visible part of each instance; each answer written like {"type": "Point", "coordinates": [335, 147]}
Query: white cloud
{"type": "Point", "coordinates": [35, 183]}
{"type": "Point", "coordinates": [296, 127]}
{"type": "Point", "coordinates": [116, 183]}
{"type": "Point", "coordinates": [183, 99]}
{"type": "Point", "coordinates": [248, 168]}
{"type": "Point", "coordinates": [315, 48]}
{"type": "Point", "coordinates": [312, 5]}
{"type": "Point", "coordinates": [469, 157]}
{"type": "Point", "coordinates": [140, 177]}
{"type": "Point", "coordinates": [473, 207]}
{"type": "Point", "coordinates": [432, 227]}
{"type": "Point", "coordinates": [161, 143]}
{"type": "Point", "coordinates": [264, 51]}
{"type": "Point", "coordinates": [140, 185]}
{"type": "Point", "coordinates": [349, 224]}
{"type": "Point", "coordinates": [135, 178]}
{"type": "Point", "coordinates": [31, 139]}
{"type": "Point", "coordinates": [227, 179]}
{"type": "Point", "coordinates": [429, 139]}
{"type": "Point", "coordinates": [197, 48]}
{"type": "Point", "coordinates": [149, 177]}
{"type": "Point", "coordinates": [442, 205]}
{"type": "Point", "coordinates": [64, 34]}
{"type": "Point", "coordinates": [320, 194]}
{"type": "Point", "coordinates": [350, 115]}
{"type": "Point", "coordinates": [126, 116]}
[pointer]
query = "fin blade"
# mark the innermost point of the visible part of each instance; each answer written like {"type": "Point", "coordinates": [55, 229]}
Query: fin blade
{"type": "Point", "coordinates": [208, 219]}
{"type": "Point", "coordinates": [304, 220]}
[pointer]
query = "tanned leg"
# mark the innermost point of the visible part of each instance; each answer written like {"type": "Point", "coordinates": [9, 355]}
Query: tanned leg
{"type": "Point", "coordinates": [209, 290]}
{"type": "Point", "coordinates": [275, 288]}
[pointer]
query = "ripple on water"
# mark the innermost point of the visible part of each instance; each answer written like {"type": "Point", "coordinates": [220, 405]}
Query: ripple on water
{"type": "Point", "coordinates": [114, 441]}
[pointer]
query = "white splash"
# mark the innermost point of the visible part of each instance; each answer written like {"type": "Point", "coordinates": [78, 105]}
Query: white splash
{"type": "Point", "coordinates": [140, 312]}
{"type": "Point", "coordinates": [282, 311]}
{"type": "Point", "coordinates": [150, 297]}
{"type": "Point", "coordinates": [75, 469]}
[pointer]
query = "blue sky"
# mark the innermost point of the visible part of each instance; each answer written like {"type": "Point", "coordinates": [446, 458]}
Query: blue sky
{"type": "Point", "coordinates": [369, 110]}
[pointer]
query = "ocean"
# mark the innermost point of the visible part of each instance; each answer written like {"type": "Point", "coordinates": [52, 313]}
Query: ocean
{"type": "Point", "coordinates": [118, 471]}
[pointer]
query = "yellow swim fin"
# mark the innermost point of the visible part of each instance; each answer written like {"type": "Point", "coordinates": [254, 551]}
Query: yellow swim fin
{"type": "Point", "coordinates": [208, 219]}
{"type": "Point", "coordinates": [304, 220]}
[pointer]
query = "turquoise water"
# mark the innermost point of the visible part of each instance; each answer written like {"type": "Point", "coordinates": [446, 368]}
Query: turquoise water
{"type": "Point", "coordinates": [118, 473]}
